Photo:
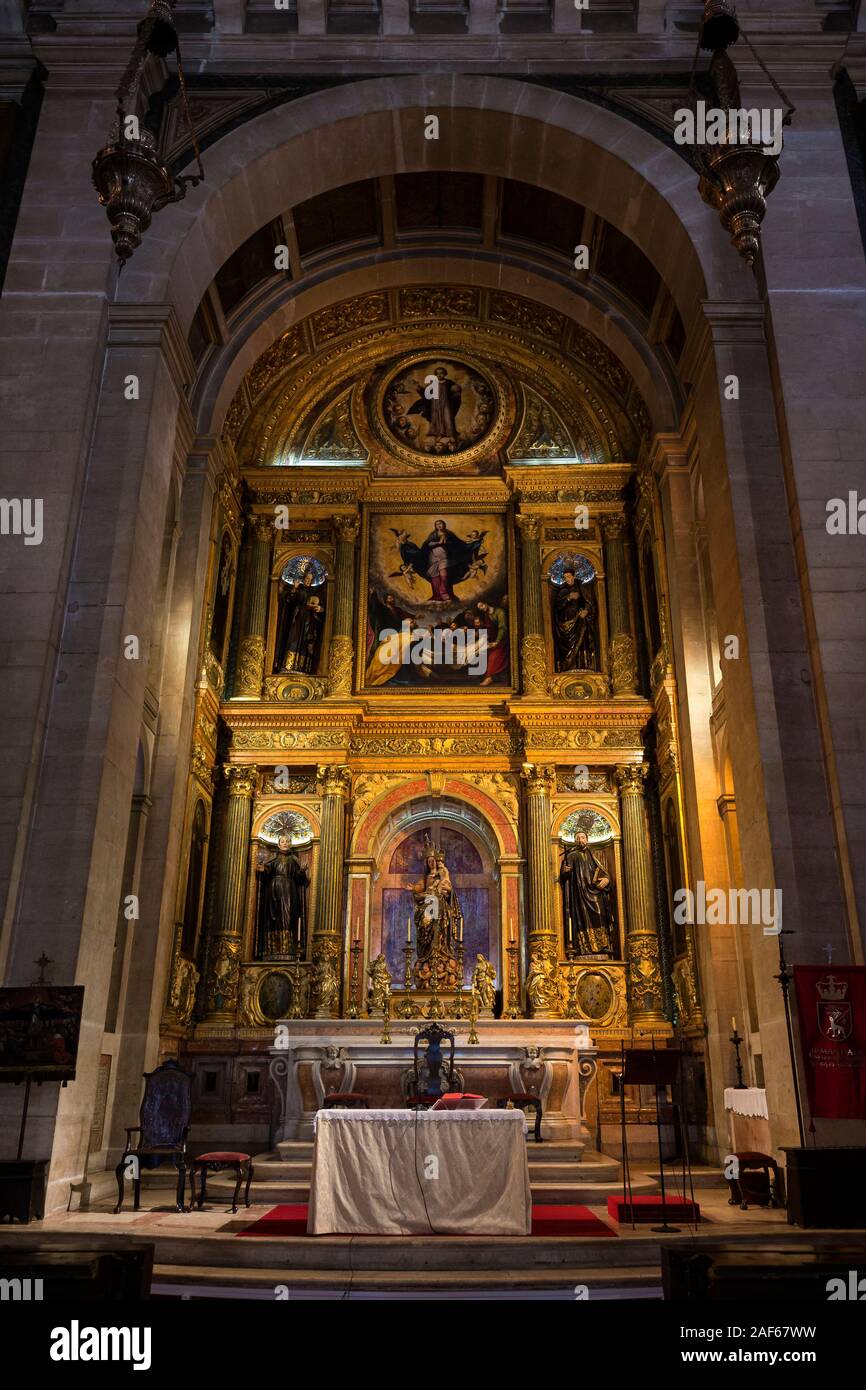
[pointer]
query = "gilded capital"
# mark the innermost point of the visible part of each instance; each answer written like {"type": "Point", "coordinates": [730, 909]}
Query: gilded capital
{"type": "Point", "coordinates": [613, 526]}
{"type": "Point", "coordinates": [263, 528]}
{"type": "Point", "coordinates": [334, 780]}
{"type": "Point", "coordinates": [630, 778]}
{"type": "Point", "coordinates": [529, 525]}
{"type": "Point", "coordinates": [346, 528]}
{"type": "Point", "coordinates": [242, 780]}
{"type": "Point", "coordinates": [538, 781]}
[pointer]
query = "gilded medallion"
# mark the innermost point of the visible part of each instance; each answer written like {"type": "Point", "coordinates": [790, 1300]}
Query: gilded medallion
{"type": "Point", "coordinates": [439, 409]}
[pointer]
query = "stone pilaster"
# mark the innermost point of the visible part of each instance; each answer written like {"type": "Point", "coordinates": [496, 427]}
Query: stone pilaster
{"type": "Point", "coordinates": [621, 648]}
{"type": "Point", "coordinates": [646, 987]}
{"type": "Point", "coordinates": [251, 649]}
{"type": "Point", "coordinates": [533, 651]}
{"type": "Point", "coordinates": [542, 989]}
{"type": "Point", "coordinates": [340, 653]}
{"type": "Point", "coordinates": [334, 784]}
{"type": "Point", "coordinates": [221, 988]}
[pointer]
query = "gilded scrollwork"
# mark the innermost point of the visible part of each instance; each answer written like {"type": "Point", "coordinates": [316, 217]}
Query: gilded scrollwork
{"type": "Point", "coordinates": [623, 663]}
{"type": "Point", "coordinates": [182, 991]}
{"type": "Point", "coordinates": [224, 975]}
{"type": "Point", "coordinates": [251, 665]}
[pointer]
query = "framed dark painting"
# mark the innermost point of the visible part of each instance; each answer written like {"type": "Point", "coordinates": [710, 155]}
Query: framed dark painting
{"type": "Point", "coordinates": [39, 1028]}
{"type": "Point", "coordinates": [438, 615]}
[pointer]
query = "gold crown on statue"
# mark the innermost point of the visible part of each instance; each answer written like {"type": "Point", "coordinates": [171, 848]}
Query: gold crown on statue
{"type": "Point", "coordinates": [831, 988]}
{"type": "Point", "coordinates": [429, 847]}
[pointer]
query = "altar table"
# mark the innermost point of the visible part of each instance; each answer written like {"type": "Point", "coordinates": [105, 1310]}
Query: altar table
{"type": "Point", "coordinates": [404, 1172]}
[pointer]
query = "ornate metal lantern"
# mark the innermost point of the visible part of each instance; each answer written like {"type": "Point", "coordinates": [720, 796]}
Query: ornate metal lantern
{"type": "Point", "coordinates": [736, 177]}
{"type": "Point", "coordinates": [130, 178]}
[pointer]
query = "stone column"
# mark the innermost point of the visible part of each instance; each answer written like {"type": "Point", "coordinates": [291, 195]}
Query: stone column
{"type": "Point", "coordinates": [646, 989]}
{"type": "Point", "coordinates": [621, 649]}
{"type": "Point", "coordinates": [533, 652]}
{"type": "Point", "coordinates": [334, 784]}
{"type": "Point", "coordinates": [250, 671]}
{"type": "Point", "coordinates": [542, 984]}
{"type": "Point", "coordinates": [340, 654]}
{"type": "Point", "coordinates": [221, 989]}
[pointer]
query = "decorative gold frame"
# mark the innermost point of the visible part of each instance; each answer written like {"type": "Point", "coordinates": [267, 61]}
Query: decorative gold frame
{"type": "Point", "coordinates": [368, 412]}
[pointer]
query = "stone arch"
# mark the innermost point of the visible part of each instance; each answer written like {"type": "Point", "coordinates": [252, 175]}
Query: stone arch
{"type": "Point", "coordinates": [573, 146]}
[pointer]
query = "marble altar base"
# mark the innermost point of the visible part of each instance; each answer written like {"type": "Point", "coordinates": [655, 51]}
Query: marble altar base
{"type": "Point", "coordinates": [554, 1058]}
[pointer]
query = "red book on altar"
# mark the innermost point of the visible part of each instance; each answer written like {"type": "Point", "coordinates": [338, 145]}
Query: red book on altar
{"type": "Point", "coordinates": [459, 1100]}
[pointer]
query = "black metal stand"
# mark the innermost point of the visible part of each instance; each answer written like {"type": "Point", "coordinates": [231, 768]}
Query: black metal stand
{"type": "Point", "coordinates": [784, 977]}
{"type": "Point", "coordinates": [659, 1070]}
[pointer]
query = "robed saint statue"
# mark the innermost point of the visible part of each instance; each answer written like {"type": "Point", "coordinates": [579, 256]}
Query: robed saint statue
{"type": "Point", "coordinates": [282, 922]}
{"type": "Point", "coordinates": [438, 922]}
{"type": "Point", "coordinates": [587, 901]}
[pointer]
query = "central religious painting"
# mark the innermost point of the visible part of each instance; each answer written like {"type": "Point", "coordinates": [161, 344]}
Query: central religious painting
{"type": "Point", "coordinates": [437, 601]}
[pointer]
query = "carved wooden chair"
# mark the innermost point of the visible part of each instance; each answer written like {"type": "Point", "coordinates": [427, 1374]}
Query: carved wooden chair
{"type": "Point", "coordinates": [428, 1082]}
{"type": "Point", "coordinates": [164, 1118]}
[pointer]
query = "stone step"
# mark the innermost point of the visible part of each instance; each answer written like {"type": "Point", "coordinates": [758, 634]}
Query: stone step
{"type": "Point", "coordinates": [702, 1176]}
{"type": "Point", "coordinates": [177, 1279]}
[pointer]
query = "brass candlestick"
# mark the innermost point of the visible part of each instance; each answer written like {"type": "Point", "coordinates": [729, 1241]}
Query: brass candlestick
{"type": "Point", "coordinates": [407, 973]}
{"type": "Point", "coordinates": [458, 1007]}
{"type": "Point", "coordinates": [353, 985]}
{"type": "Point", "coordinates": [513, 1010]}
{"type": "Point", "coordinates": [473, 1018]}
{"type": "Point", "coordinates": [296, 993]}
{"type": "Point", "coordinates": [386, 1018]}
{"type": "Point", "coordinates": [571, 1010]}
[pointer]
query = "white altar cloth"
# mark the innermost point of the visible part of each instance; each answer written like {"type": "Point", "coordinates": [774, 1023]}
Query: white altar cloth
{"type": "Point", "coordinates": [751, 1101]}
{"type": "Point", "coordinates": [404, 1172]}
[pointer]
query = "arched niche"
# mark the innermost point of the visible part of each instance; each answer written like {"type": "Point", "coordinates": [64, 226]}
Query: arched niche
{"type": "Point", "coordinates": [599, 820]}
{"type": "Point", "coordinates": [395, 862]}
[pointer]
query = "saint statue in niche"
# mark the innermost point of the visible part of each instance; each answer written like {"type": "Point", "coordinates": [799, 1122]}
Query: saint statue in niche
{"type": "Point", "coordinates": [300, 621]}
{"type": "Point", "coordinates": [438, 919]}
{"type": "Point", "coordinates": [574, 615]}
{"type": "Point", "coordinates": [283, 903]}
{"type": "Point", "coordinates": [587, 901]}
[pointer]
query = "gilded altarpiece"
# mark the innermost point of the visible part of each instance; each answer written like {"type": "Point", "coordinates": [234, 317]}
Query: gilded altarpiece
{"type": "Point", "coordinates": [468, 488]}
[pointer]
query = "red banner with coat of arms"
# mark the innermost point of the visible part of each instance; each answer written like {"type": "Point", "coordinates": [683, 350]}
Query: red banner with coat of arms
{"type": "Point", "coordinates": [831, 1005]}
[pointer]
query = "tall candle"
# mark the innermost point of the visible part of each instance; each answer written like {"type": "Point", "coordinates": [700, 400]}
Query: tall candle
{"type": "Point", "coordinates": [408, 931]}
{"type": "Point", "coordinates": [733, 1024]}
{"type": "Point", "coordinates": [511, 928]}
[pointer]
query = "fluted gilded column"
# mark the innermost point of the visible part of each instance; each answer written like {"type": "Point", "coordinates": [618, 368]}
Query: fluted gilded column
{"type": "Point", "coordinates": [250, 669]}
{"type": "Point", "coordinates": [533, 650]}
{"type": "Point", "coordinates": [621, 648]}
{"type": "Point", "coordinates": [334, 784]}
{"type": "Point", "coordinates": [221, 991]}
{"type": "Point", "coordinates": [542, 983]}
{"type": "Point", "coordinates": [646, 988]}
{"type": "Point", "coordinates": [340, 652]}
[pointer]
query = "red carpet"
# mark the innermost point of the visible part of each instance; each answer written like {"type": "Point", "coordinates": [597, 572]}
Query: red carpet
{"type": "Point", "coordinates": [546, 1221]}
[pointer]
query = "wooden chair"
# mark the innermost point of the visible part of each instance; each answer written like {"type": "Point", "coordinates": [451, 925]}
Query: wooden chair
{"type": "Point", "coordinates": [757, 1182]}
{"type": "Point", "coordinates": [427, 1079]}
{"type": "Point", "coordinates": [164, 1118]}
{"type": "Point", "coordinates": [215, 1162]}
